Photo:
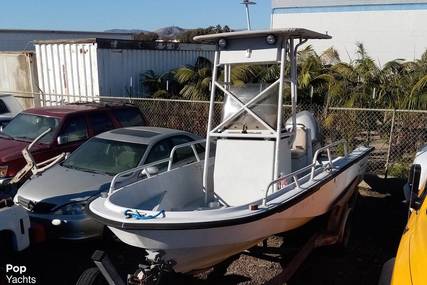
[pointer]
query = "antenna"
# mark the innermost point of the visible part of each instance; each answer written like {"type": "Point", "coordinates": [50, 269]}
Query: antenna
{"type": "Point", "coordinates": [248, 18]}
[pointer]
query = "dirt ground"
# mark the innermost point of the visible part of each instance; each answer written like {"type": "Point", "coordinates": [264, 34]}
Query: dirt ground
{"type": "Point", "coordinates": [377, 225]}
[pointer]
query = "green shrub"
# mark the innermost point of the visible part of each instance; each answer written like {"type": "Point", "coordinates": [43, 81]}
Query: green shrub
{"type": "Point", "coordinates": [399, 170]}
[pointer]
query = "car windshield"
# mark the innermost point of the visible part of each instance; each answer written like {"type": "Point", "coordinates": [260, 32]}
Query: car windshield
{"type": "Point", "coordinates": [106, 156]}
{"type": "Point", "coordinates": [29, 126]}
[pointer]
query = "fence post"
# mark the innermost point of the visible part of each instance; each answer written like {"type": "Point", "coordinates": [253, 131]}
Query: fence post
{"type": "Point", "coordinates": [393, 118]}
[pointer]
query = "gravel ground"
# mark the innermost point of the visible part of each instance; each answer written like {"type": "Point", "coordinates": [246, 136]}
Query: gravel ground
{"type": "Point", "coordinates": [377, 225]}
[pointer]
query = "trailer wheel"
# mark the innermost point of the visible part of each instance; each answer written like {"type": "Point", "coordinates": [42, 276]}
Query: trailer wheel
{"type": "Point", "coordinates": [346, 234]}
{"type": "Point", "coordinates": [91, 276]}
{"type": "Point", "coordinates": [341, 246]}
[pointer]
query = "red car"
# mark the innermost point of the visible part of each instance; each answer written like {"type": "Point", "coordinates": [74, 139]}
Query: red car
{"type": "Point", "coordinates": [71, 125]}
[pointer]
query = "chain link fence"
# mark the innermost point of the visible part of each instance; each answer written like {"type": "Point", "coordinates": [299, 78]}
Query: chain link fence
{"type": "Point", "coordinates": [395, 134]}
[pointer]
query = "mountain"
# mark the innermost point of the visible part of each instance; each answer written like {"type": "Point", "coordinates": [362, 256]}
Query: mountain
{"type": "Point", "coordinates": [133, 31]}
{"type": "Point", "coordinates": [169, 32]}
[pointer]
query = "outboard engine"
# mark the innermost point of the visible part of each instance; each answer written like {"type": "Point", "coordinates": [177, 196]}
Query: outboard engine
{"type": "Point", "coordinates": [306, 140]}
{"type": "Point", "coordinates": [307, 119]}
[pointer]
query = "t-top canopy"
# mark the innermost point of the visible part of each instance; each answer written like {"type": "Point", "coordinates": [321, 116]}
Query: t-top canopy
{"type": "Point", "coordinates": [295, 33]}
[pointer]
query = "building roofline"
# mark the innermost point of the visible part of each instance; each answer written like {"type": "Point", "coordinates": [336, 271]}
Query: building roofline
{"type": "Point", "coordinates": [61, 32]}
{"type": "Point", "coordinates": [277, 4]}
{"type": "Point", "coordinates": [106, 43]}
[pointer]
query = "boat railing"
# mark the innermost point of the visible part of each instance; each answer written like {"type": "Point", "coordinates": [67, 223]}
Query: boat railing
{"type": "Point", "coordinates": [146, 167]}
{"type": "Point", "coordinates": [311, 167]}
{"type": "Point", "coordinates": [189, 144]}
{"type": "Point", "coordinates": [327, 148]}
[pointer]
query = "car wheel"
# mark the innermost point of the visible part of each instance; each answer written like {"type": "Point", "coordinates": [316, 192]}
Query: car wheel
{"type": "Point", "coordinates": [91, 276]}
{"type": "Point", "coordinates": [386, 272]}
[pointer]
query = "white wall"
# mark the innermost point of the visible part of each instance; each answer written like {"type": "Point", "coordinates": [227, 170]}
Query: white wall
{"type": "Point", "coordinates": [18, 76]}
{"type": "Point", "coordinates": [67, 69]}
{"type": "Point", "coordinates": [386, 35]}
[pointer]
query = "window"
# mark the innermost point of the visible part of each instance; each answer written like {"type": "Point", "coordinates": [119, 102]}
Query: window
{"type": "Point", "coordinates": [106, 156]}
{"type": "Point", "coordinates": [184, 152]}
{"type": "Point", "coordinates": [3, 107]}
{"type": "Point", "coordinates": [27, 127]}
{"type": "Point", "coordinates": [128, 117]}
{"type": "Point", "coordinates": [75, 129]}
{"type": "Point", "coordinates": [160, 151]}
{"type": "Point", "coordinates": [100, 123]}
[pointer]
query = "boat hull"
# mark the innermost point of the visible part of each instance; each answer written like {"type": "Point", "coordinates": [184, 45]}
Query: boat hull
{"type": "Point", "coordinates": [198, 248]}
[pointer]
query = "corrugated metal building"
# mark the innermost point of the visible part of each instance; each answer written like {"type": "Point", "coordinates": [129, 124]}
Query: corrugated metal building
{"type": "Point", "coordinates": [89, 68]}
{"type": "Point", "coordinates": [22, 40]}
{"type": "Point", "coordinates": [389, 29]}
{"type": "Point", "coordinates": [18, 76]}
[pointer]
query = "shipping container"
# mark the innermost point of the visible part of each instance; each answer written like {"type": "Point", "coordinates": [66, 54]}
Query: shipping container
{"type": "Point", "coordinates": [18, 76]}
{"type": "Point", "coordinates": [78, 70]}
{"type": "Point", "coordinates": [22, 40]}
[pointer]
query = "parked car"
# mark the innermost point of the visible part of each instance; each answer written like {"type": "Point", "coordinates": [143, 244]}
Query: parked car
{"type": "Point", "coordinates": [56, 199]}
{"type": "Point", "coordinates": [9, 108]}
{"type": "Point", "coordinates": [411, 260]}
{"type": "Point", "coordinates": [70, 125]}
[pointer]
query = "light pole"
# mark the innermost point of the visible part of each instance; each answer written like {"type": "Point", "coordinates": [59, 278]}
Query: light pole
{"type": "Point", "coordinates": [248, 18]}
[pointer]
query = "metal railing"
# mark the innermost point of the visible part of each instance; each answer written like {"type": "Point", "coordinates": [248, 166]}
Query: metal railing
{"type": "Point", "coordinates": [312, 167]}
{"type": "Point", "coordinates": [328, 151]}
{"type": "Point", "coordinates": [146, 167]}
{"type": "Point", "coordinates": [189, 144]}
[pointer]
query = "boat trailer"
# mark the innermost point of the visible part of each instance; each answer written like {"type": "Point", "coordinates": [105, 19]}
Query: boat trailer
{"type": "Point", "coordinates": [337, 232]}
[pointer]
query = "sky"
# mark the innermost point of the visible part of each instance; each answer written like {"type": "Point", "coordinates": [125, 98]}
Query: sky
{"type": "Point", "coordinates": [100, 15]}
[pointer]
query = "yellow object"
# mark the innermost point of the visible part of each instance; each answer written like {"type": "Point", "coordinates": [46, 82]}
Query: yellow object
{"type": "Point", "coordinates": [411, 261]}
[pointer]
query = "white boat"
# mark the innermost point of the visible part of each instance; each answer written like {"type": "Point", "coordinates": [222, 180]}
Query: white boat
{"type": "Point", "coordinates": [263, 177]}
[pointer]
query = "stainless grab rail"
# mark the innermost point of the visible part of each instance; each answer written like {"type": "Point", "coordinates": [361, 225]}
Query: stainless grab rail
{"type": "Point", "coordinates": [190, 144]}
{"type": "Point", "coordinates": [145, 167]}
{"type": "Point", "coordinates": [328, 151]}
{"type": "Point", "coordinates": [312, 167]}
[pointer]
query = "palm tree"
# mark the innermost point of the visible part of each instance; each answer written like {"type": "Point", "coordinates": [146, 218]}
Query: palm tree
{"type": "Point", "coordinates": [195, 79]}
{"type": "Point", "coordinates": [159, 85]}
{"type": "Point", "coordinates": [330, 57]}
{"type": "Point", "coordinates": [418, 95]}
{"type": "Point", "coordinates": [417, 98]}
{"type": "Point", "coordinates": [323, 80]}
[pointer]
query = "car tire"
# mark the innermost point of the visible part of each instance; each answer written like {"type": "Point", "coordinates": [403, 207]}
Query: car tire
{"type": "Point", "coordinates": [91, 276]}
{"type": "Point", "coordinates": [386, 272]}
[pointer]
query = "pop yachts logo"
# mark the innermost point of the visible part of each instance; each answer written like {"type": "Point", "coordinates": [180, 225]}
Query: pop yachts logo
{"type": "Point", "coordinates": [17, 275]}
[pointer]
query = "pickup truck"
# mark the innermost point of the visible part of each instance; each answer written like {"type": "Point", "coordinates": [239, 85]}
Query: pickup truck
{"type": "Point", "coordinates": [70, 126]}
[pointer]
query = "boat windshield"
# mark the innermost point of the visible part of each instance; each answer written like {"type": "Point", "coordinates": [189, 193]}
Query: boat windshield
{"type": "Point", "coordinates": [265, 108]}
{"type": "Point", "coordinates": [106, 156]}
{"type": "Point", "coordinates": [27, 127]}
